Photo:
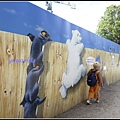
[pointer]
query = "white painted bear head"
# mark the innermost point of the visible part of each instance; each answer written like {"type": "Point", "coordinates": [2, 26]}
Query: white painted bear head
{"type": "Point", "coordinates": [76, 36]}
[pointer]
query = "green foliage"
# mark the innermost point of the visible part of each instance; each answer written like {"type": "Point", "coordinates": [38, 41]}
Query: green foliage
{"type": "Point", "coordinates": [109, 25]}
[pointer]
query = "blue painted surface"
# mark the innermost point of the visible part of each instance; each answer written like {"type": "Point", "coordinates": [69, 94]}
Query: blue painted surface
{"type": "Point", "coordinates": [25, 17]}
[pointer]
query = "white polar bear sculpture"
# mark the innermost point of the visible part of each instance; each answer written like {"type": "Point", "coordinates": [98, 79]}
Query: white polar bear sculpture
{"type": "Point", "coordinates": [75, 68]}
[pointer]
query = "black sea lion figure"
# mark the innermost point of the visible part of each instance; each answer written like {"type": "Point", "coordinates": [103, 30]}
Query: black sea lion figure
{"type": "Point", "coordinates": [32, 87]}
{"type": "Point", "coordinates": [36, 47]}
{"type": "Point", "coordinates": [34, 70]}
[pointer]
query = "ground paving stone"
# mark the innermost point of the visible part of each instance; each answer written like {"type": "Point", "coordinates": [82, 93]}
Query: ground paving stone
{"type": "Point", "coordinates": [109, 106]}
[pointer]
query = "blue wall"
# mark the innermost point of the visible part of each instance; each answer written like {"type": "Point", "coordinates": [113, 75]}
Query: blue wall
{"type": "Point", "coordinates": [25, 17]}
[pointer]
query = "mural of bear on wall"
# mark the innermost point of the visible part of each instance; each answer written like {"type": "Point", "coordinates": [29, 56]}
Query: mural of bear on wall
{"type": "Point", "coordinates": [75, 68]}
{"type": "Point", "coordinates": [34, 20]}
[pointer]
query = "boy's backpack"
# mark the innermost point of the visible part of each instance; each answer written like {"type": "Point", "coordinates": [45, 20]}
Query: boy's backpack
{"type": "Point", "coordinates": [91, 79]}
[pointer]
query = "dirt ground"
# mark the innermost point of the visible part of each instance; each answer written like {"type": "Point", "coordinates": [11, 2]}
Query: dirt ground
{"type": "Point", "coordinates": [109, 106]}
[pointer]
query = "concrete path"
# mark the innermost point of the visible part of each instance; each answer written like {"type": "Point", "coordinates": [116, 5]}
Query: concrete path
{"type": "Point", "coordinates": [109, 106]}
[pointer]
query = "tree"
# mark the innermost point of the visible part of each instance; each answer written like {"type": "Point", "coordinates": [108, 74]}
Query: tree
{"type": "Point", "coordinates": [109, 25]}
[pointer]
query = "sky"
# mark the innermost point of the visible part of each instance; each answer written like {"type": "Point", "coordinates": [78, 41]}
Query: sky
{"type": "Point", "coordinates": [86, 15]}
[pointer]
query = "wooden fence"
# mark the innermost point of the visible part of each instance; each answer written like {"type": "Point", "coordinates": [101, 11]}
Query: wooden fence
{"type": "Point", "coordinates": [55, 59]}
{"type": "Point", "coordinates": [14, 48]}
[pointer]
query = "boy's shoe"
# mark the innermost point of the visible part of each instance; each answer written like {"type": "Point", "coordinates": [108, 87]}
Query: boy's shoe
{"type": "Point", "coordinates": [89, 102]}
{"type": "Point", "coordinates": [97, 101]}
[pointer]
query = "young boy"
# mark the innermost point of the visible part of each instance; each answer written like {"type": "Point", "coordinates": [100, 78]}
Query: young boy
{"type": "Point", "coordinates": [94, 92]}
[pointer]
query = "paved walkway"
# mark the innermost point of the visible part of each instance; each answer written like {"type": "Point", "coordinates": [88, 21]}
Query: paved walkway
{"type": "Point", "coordinates": [109, 106]}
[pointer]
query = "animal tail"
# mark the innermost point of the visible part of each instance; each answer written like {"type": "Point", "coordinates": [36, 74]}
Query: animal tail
{"type": "Point", "coordinates": [40, 101]}
{"type": "Point", "coordinates": [23, 102]}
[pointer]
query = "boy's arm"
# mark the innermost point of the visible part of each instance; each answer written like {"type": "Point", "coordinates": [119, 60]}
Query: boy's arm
{"type": "Point", "coordinates": [88, 72]}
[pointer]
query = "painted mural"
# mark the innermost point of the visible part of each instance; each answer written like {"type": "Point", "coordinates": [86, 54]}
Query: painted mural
{"type": "Point", "coordinates": [75, 68]}
{"type": "Point", "coordinates": [35, 68]}
{"type": "Point", "coordinates": [27, 19]}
